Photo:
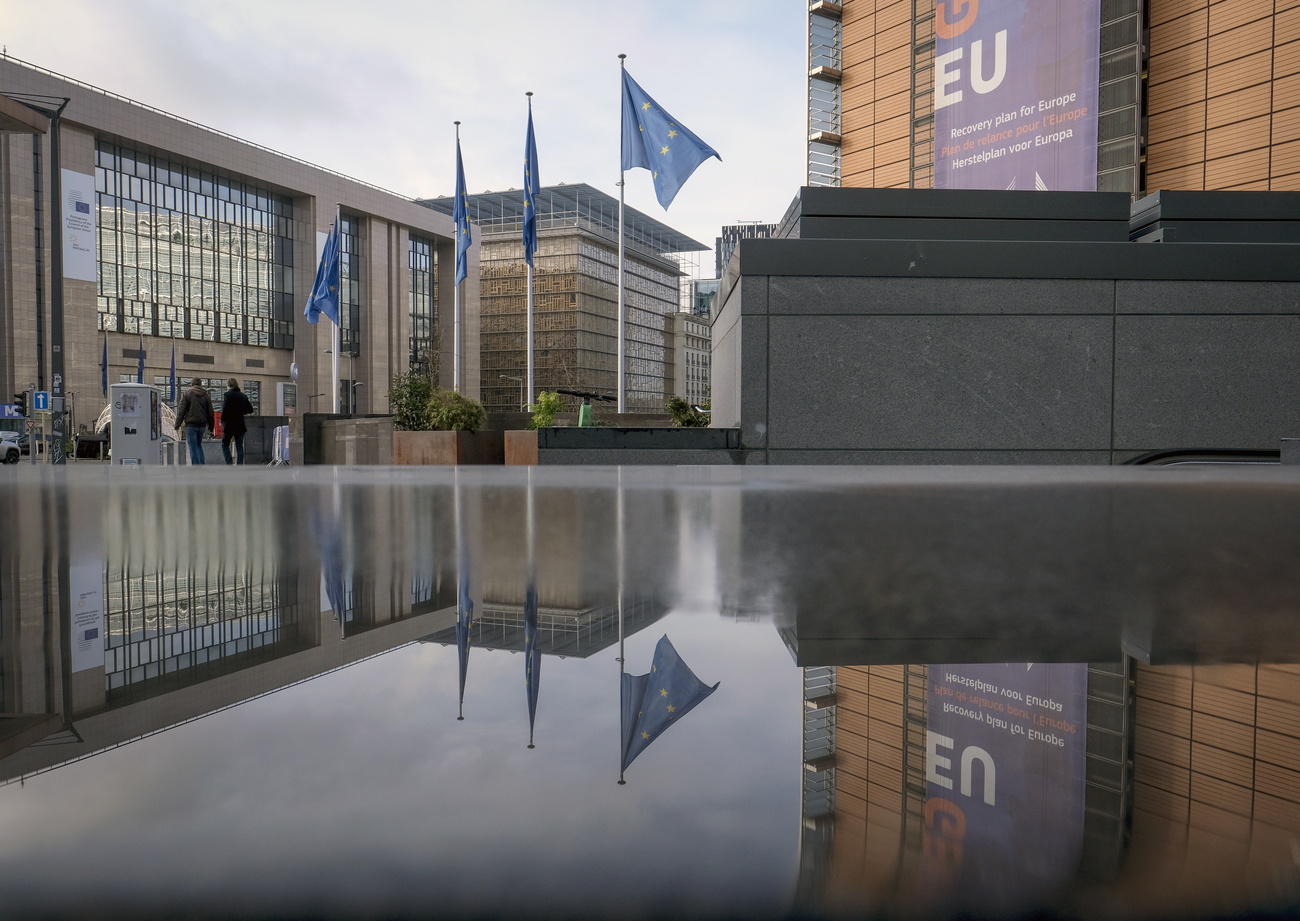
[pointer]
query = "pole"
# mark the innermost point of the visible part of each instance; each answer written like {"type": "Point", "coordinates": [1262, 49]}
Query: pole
{"type": "Point", "coordinates": [622, 345]}
{"type": "Point", "coordinates": [334, 358]}
{"type": "Point", "coordinates": [455, 301]}
{"type": "Point", "coordinates": [57, 430]}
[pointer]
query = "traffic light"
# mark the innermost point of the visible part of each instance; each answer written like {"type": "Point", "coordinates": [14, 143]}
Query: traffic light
{"type": "Point", "coordinates": [21, 400]}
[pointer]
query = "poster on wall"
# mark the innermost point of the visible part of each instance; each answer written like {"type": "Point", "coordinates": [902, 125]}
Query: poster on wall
{"type": "Point", "coordinates": [1015, 94]}
{"type": "Point", "coordinates": [1005, 779]}
{"type": "Point", "coordinates": [86, 580]}
{"type": "Point", "coordinates": [78, 225]}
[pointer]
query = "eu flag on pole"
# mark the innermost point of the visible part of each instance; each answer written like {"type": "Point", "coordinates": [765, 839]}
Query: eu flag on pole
{"type": "Point", "coordinates": [139, 371]}
{"type": "Point", "coordinates": [532, 185]}
{"type": "Point", "coordinates": [461, 215]}
{"type": "Point", "coordinates": [325, 290]}
{"type": "Point", "coordinates": [654, 701]}
{"type": "Point", "coordinates": [656, 141]}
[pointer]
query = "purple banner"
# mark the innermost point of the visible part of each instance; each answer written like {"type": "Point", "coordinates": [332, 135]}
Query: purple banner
{"type": "Point", "coordinates": [1015, 94]}
{"type": "Point", "coordinates": [1005, 753]}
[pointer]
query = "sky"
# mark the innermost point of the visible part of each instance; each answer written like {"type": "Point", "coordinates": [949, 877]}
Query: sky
{"type": "Point", "coordinates": [373, 90]}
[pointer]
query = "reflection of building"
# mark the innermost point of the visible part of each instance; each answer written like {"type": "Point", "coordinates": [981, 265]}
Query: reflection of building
{"type": "Point", "coordinates": [1211, 806]}
{"type": "Point", "coordinates": [1195, 95]}
{"type": "Point", "coordinates": [181, 600]}
{"type": "Point", "coordinates": [182, 238]}
{"type": "Point", "coordinates": [575, 297]}
{"type": "Point", "coordinates": [568, 632]}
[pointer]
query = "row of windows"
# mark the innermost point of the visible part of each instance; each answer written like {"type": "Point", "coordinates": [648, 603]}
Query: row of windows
{"type": "Point", "coordinates": [146, 318]}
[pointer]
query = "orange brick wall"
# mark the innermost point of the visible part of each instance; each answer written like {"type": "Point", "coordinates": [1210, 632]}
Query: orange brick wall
{"type": "Point", "coordinates": [1223, 100]}
{"type": "Point", "coordinates": [876, 93]}
{"type": "Point", "coordinates": [868, 780]}
{"type": "Point", "coordinates": [1216, 798]}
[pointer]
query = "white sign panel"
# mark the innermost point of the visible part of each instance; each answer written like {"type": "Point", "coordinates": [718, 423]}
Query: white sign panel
{"type": "Point", "coordinates": [78, 226]}
{"type": "Point", "coordinates": [87, 583]}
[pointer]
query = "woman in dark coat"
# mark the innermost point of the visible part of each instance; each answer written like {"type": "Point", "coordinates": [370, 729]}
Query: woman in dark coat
{"type": "Point", "coordinates": [234, 407]}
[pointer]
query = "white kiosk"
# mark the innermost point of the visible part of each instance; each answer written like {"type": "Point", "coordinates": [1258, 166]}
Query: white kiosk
{"type": "Point", "coordinates": [136, 429]}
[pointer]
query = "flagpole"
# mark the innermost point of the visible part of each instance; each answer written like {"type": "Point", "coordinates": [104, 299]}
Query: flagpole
{"type": "Point", "coordinates": [455, 313]}
{"type": "Point", "coordinates": [531, 396]}
{"type": "Point", "coordinates": [334, 352]}
{"type": "Point", "coordinates": [622, 347]}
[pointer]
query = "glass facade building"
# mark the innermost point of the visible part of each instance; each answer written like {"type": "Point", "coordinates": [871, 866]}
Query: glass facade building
{"type": "Point", "coordinates": [575, 296]}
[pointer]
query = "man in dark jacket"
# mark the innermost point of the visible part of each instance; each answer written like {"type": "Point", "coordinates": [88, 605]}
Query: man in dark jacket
{"type": "Point", "coordinates": [234, 407]}
{"type": "Point", "coordinates": [194, 411]}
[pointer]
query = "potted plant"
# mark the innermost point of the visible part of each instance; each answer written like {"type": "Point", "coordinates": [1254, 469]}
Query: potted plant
{"type": "Point", "coordinates": [449, 428]}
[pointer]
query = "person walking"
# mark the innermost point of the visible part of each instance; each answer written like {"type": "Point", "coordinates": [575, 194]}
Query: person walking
{"type": "Point", "coordinates": [194, 411]}
{"type": "Point", "coordinates": [234, 407]}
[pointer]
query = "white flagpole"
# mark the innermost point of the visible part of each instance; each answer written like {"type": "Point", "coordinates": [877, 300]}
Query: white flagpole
{"type": "Point", "coordinates": [455, 322]}
{"type": "Point", "coordinates": [334, 356]}
{"type": "Point", "coordinates": [531, 395]}
{"type": "Point", "coordinates": [622, 346]}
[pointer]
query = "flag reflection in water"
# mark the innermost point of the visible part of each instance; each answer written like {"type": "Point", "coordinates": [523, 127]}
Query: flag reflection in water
{"type": "Point", "coordinates": [654, 701]}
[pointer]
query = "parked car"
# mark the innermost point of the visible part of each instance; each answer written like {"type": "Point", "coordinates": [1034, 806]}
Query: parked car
{"type": "Point", "coordinates": [10, 452]}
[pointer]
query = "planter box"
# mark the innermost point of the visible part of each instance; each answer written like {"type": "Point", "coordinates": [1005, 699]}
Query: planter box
{"type": "Point", "coordinates": [521, 448]}
{"type": "Point", "coordinates": [448, 448]}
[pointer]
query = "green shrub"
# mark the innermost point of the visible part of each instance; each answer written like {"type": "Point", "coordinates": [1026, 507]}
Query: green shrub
{"type": "Point", "coordinates": [409, 401]}
{"type": "Point", "coordinates": [685, 415]}
{"type": "Point", "coordinates": [544, 410]}
{"type": "Point", "coordinates": [450, 411]}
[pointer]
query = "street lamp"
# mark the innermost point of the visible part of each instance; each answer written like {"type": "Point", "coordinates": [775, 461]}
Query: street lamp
{"type": "Point", "coordinates": [523, 403]}
{"type": "Point", "coordinates": [312, 397]}
{"type": "Point", "coordinates": [355, 385]}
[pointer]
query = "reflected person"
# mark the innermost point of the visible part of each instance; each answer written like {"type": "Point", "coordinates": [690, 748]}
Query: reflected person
{"type": "Point", "coordinates": [234, 407]}
{"type": "Point", "coordinates": [194, 411]}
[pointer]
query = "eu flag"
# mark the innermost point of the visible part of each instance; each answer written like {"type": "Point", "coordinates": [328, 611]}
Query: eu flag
{"type": "Point", "coordinates": [325, 290]}
{"type": "Point", "coordinates": [654, 701]}
{"type": "Point", "coordinates": [461, 215]}
{"type": "Point", "coordinates": [532, 185]}
{"type": "Point", "coordinates": [656, 141]}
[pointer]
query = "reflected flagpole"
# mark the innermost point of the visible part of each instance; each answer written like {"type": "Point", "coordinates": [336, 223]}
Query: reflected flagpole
{"type": "Point", "coordinates": [622, 309]}
{"type": "Point", "coordinates": [532, 655]}
{"type": "Point", "coordinates": [532, 185]}
{"type": "Point", "coordinates": [623, 726]}
{"type": "Point", "coordinates": [464, 604]}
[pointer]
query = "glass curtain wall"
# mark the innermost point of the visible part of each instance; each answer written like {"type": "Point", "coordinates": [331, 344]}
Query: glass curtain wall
{"type": "Point", "coordinates": [188, 253]}
{"type": "Point", "coordinates": [423, 337]}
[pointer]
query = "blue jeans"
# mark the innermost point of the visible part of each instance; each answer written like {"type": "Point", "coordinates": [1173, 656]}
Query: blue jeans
{"type": "Point", "coordinates": [194, 438]}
